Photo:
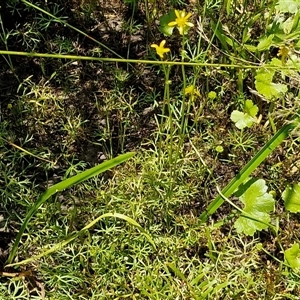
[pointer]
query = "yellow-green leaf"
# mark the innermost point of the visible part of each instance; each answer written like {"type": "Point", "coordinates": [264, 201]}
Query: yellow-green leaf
{"type": "Point", "coordinates": [265, 86]}
{"type": "Point", "coordinates": [292, 257]}
{"type": "Point", "coordinates": [246, 118]}
{"type": "Point", "coordinates": [257, 205]}
{"type": "Point", "coordinates": [291, 197]}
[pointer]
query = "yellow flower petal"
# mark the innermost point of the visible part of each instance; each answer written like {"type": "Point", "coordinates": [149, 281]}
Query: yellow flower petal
{"type": "Point", "coordinates": [177, 13]}
{"type": "Point", "coordinates": [162, 43]}
{"type": "Point", "coordinates": [172, 24]}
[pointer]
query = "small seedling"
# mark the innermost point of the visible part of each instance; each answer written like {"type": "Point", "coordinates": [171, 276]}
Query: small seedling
{"type": "Point", "coordinates": [212, 95]}
{"type": "Point", "coordinates": [219, 149]}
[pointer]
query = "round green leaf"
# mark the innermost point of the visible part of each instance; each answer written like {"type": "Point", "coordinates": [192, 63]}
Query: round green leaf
{"type": "Point", "coordinates": [292, 256]}
{"type": "Point", "coordinates": [164, 21]}
{"type": "Point", "coordinates": [291, 197]}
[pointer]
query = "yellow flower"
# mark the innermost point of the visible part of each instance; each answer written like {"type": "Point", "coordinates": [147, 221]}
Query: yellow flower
{"type": "Point", "coordinates": [160, 50]}
{"type": "Point", "coordinates": [284, 52]}
{"type": "Point", "coordinates": [191, 90]}
{"type": "Point", "coordinates": [181, 22]}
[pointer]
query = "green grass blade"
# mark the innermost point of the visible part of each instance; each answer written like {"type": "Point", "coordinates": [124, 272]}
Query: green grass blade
{"type": "Point", "coordinates": [219, 33]}
{"type": "Point", "coordinates": [58, 20]}
{"type": "Point", "coordinates": [28, 152]}
{"type": "Point", "coordinates": [180, 275]}
{"type": "Point", "coordinates": [176, 271]}
{"type": "Point", "coordinates": [60, 187]}
{"type": "Point", "coordinates": [227, 4]}
{"type": "Point", "coordinates": [248, 169]}
{"type": "Point", "coordinates": [72, 237]}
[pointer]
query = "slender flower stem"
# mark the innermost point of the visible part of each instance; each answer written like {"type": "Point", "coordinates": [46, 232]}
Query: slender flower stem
{"type": "Point", "coordinates": [166, 101]}
{"type": "Point", "coordinates": [243, 65]}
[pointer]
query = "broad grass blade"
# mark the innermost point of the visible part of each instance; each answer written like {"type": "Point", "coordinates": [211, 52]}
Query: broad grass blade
{"type": "Point", "coordinates": [62, 186]}
{"type": "Point", "coordinates": [248, 169]}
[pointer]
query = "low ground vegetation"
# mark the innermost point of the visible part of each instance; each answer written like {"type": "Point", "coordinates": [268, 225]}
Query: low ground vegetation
{"type": "Point", "coordinates": [149, 149]}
